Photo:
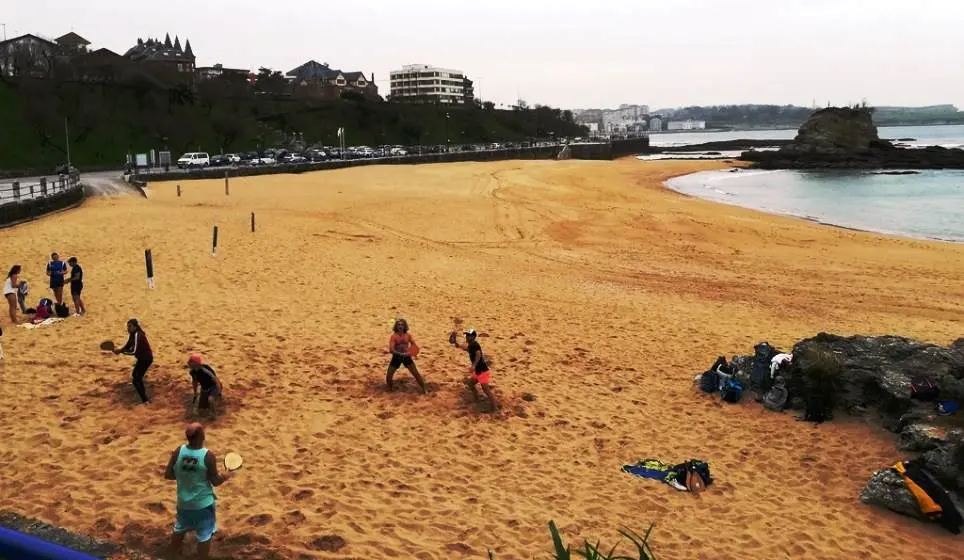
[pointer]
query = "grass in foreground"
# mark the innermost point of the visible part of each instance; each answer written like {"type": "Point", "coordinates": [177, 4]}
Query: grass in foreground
{"type": "Point", "coordinates": [592, 551]}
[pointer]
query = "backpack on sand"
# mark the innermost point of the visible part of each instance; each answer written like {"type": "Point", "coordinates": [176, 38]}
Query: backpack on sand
{"type": "Point", "coordinates": [776, 397]}
{"type": "Point", "coordinates": [731, 391]}
{"type": "Point", "coordinates": [61, 310]}
{"type": "Point", "coordinates": [710, 382]}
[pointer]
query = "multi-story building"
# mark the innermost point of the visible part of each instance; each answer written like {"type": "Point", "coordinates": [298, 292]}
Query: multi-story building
{"type": "Point", "coordinates": [688, 124]}
{"type": "Point", "coordinates": [422, 83]}
{"type": "Point", "coordinates": [655, 123]}
{"type": "Point", "coordinates": [164, 60]}
{"type": "Point", "coordinates": [36, 56]}
{"type": "Point", "coordinates": [315, 79]}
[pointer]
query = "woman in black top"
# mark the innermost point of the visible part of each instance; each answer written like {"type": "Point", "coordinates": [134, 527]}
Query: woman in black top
{"type": "Point", "coordinates": [479, 373]}
{"type": "Point", "coordinates": [77, 286]}
{"type": "Point", "coordinates": [138, 346]}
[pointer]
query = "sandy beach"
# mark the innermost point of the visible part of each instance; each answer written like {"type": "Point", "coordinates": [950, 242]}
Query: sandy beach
{"type": "Point", "coordinates": [599, 294]}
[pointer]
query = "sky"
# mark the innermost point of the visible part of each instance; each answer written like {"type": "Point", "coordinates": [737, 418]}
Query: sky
{"type": "Point", "coordinates": [565, 53]}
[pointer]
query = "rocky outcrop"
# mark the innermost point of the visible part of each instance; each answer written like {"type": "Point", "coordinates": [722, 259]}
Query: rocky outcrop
{"type": "Point", "coordinates": [875, 377]}
{"type": "Point", "coordinates": [846, 138]}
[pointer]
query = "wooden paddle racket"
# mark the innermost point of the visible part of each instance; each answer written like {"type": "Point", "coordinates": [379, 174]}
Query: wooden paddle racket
{"type": "Point", "coordinates": [233, 461]}
{"type": "Point", "coordinates": [107, 346]}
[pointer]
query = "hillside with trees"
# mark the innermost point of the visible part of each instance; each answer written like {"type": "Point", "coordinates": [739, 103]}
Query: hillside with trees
{"type": "Point", "coordinates": [111, 118]}
{"type": "Point", "coordinates": [743, 117]}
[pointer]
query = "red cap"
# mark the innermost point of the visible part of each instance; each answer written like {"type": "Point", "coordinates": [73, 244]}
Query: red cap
{"type": "Point", "coordinates": [196, 358]}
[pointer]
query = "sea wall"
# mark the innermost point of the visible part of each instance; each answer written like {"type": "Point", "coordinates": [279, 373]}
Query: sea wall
{"type": "Point", "coordinates": [593, 151]}
{"type": "Point", "coordinates": [26, 209]}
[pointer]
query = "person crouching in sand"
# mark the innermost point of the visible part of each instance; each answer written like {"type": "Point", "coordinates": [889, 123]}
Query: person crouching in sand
{"type": "Point", "coordinates": [479, 373]}
{"type": "Point", "coordinates": [203, 376]}
{"type": "Point", "coordinates": [195, 469]}
{"type": "Point", "coordinates": [138, 346]}
{"type": "Point", "coordinates": [402, 346]}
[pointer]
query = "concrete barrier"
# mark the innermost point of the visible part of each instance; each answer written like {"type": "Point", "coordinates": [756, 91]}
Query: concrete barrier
{"type": "Point", "coordinates": [588, 151]}
{"type": "Point", "coordinates": [26, 209]}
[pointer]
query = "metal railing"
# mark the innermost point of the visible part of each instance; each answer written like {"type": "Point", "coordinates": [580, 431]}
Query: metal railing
{"type": "Point", "coordinates": [25, 199]}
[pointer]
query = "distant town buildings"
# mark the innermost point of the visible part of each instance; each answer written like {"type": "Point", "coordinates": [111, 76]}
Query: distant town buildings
{"type": "Point", "coordinates": [421, 83]}
{"type": "Point", "coordinates": [219, 71]}
{"type": "Point", "coordinates": [655, 123]}
{"type": "Point", "coordinates": [688, 124]}
{"type": "Point", "coordinates": [627, 119]}
{"type": "Point", "coordinates": [33, 55]}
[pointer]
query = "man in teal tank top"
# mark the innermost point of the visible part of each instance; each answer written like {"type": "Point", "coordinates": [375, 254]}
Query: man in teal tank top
{"type": "Point", "coordinates": [195, 469]}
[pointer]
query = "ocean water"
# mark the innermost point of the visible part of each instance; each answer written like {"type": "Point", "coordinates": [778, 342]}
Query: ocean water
{"type": "Point", "coordinates": [928, 205]}
{"type": "Point", "coordinates": [950, 136]}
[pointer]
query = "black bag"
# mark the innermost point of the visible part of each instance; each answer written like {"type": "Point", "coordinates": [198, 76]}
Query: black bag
{"type": "Point", "coordinates": [61, 310]}
{"type": "Point", "coordinates": [923, 388]}
{"type": "Point", "coordinates": [760, 372]}
{"type": "Point", "coordinates": [710, 382]}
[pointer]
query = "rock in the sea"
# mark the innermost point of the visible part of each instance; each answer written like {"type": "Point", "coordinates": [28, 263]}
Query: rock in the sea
{"type": "Point", "coordinates": [886, 489]}
{"type": "Point", "coordinates": [836, 130]}
{"type": "Point", "coordinates": [846, 138]}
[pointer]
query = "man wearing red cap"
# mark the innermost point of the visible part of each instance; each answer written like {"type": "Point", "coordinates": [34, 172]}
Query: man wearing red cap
{"type": "Point", "coordinates": [203, 375]}
{"type": "Point", "coordinates": [195, 469]}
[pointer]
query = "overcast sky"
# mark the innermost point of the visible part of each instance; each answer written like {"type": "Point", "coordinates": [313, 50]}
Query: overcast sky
{"type": "Point", "coordinates": [567, 53]}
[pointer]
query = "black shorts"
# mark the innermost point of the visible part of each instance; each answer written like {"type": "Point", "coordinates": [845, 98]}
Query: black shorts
{"type": "Point", "coordinates": [76, 289]}
{"type": "Point", "coordinates": [399, 361]}
{"type": "Point", "coordinates": [56, 282]}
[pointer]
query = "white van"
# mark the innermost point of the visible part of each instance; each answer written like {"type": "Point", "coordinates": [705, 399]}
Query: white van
{"type": "Point", "coordinates": [194, 159]}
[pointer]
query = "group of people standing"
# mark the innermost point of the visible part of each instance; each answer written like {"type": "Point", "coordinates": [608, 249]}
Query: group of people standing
{"type": "Point", "coordinates": [60, 273]}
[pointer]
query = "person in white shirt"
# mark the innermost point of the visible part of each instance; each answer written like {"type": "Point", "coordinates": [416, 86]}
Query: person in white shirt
{"type": "Point", "coordinates": [10, 291]}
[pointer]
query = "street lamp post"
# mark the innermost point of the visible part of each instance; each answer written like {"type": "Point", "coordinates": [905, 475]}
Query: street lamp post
{"type": "Point", "coordinates": [67, 140]}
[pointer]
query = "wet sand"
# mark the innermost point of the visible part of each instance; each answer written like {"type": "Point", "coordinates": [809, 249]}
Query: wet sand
{"type": "Point", "coordinates": [599, 294]}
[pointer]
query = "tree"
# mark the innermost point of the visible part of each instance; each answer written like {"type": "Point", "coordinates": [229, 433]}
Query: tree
{"type": "Point", "coordinates": [488, 106]}
{"type": "Point", "coordinates": [269, 81]}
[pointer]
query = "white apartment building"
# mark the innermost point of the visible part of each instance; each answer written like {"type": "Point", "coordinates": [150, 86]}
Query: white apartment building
{"type": "Point", "coordinates": [688, 124]}
{"type": "Point", "coordinates": [430, 84]}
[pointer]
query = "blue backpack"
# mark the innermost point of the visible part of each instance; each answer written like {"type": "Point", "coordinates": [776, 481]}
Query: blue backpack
{"type": "Point", "coordinates": [731, 391]}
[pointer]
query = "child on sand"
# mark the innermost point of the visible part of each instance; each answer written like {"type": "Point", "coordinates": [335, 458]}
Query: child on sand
{"type": "Point", "coordinates": [77, 286]}
{"type": "Point", "coordinates": [203, 375]}
{"type": "Point", "coordinates": [402, 347]}
{"type": "Point", "coordinates": [479, 373]}
{"type": "Point", "coordinates": [138, 346]}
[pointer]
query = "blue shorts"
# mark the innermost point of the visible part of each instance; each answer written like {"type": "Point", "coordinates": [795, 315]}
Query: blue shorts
{"type": "Point", "coordinates": [202, 521]}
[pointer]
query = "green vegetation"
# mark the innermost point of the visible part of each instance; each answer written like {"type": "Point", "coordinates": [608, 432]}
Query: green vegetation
{"type": "Point", "coordinates": [790, 116]}
{"type": "Point", "coordinates": [592, 551]}
{"type": "Point", "coordinates": [109, 119]}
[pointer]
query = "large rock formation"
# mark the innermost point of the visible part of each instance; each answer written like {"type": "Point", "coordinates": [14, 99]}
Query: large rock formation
{"type": "Point", "coordinates": [846, 138]}
{"type": "Point", "coordinates": [874, 376]}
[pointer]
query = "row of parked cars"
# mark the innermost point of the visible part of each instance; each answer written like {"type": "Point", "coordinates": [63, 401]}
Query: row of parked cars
{"type": "Point", "coordinates": [273, 156]}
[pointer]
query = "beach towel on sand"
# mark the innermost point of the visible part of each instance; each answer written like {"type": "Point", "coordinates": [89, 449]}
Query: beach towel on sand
{"type": "Point", "coordinates": [673, 475]}
{"type": "Point", "coordinates": [44, 323]}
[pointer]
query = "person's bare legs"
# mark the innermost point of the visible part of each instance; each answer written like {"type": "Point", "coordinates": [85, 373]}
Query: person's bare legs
{"type": "Point", "coordinates": [418, 377]}
{"type": "Point", "coordinates": [389, 376]}
{"type": "Point", "coordinates": [488, 393]}
{"type": "Point", "coordinates": [471, 384]}
{"type": "Point", "coordinates": [59, 294]}
{"type": "Point", "coordinates": [12, 302]}
{"type": "Point", "coordinates": [177, 543]}
{"type": "Point", "coordinates": [78, 304]}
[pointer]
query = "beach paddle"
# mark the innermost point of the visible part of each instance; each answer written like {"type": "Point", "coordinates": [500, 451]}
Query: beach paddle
{"type": "Point", "coordinates": [233, 461]}
{"type": "Point", "coordinates": [107, 345]}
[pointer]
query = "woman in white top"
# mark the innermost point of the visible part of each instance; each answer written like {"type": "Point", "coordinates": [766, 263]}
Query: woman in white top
{"type": "Point", "coordinates": [10, 291]}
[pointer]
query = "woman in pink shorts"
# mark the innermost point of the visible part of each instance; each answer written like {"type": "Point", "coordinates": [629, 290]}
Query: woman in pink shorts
{"type": "Point", "coordinates": [479, 373]}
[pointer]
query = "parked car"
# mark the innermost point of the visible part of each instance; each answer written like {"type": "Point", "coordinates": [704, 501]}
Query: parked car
{"type": "Point", "coordinates": [194, 159]}
{"type": "Point", "coordinates": [233, 158]}
{"type": "Point", "coordinates": [399, 151]}
{"type": "Point", "coordinates": [293, 158]}
{"type": "Point", "coordinates": [219, 159]}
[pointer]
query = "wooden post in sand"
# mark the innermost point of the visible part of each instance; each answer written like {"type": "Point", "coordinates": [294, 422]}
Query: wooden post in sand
{"type": "Point", "coordinates": [252, 222]}
{"type": "Point", "coordinates": [227, 189]}
{"type": "Point", "coordinates": [214, 243]}
{"type": "Point", "coordinates": [149, 261]}
{"type": "Point", "coordinates": [179, 190]}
